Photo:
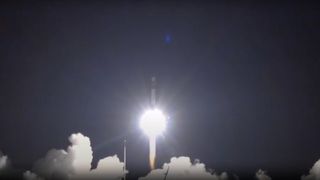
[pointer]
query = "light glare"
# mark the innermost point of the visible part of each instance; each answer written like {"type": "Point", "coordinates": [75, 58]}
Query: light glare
{"type": "Point", "coordinates": [153, 122]}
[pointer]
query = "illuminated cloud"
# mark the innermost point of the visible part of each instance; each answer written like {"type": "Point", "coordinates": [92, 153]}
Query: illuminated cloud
{"type": "Point", "coordinates": [81, 154]}
{"type": "Point", "coordinates": [65, 164]}
{"type": "Point", "coordinates": [182, 168]}
{"type": "Point", "coordinates": [109, 167]}
{"type": "Point", "coordinates": [4, 162]}
{"type": "Point", "coordinates": [75, 163]}
{"type": "Point", "coordinates": [262, 175]}
{"type": "Point", "coordinates": [314, 173]}
{"type": "Point", "coordinates": [6, 171]}
{"type": "Point", "coordinates": [31, 176]}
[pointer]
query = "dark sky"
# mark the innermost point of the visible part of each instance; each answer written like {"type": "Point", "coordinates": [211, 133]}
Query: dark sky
{"type": "Point", "coordinates": [240, 81]}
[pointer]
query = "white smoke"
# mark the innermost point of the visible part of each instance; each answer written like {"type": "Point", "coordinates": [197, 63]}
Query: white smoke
{"type": "Point", "coordinates": [110, 167]}
{"type": "Point", "coordinates": [81, 153]}
{"type": "Point", "coordinates": [182, 168]}
{"type": "Point", "coordinates": [314, 173]}
{"type": "Point", "coordinates": [65, 164]}
{"type": "Point", "coordinates": [31, 176]}
{"type": "Point", "coordinates": [262, 175]}
{"type": "Point", "coordinates": [6, 170]}
{"type": "Point", "coordinates": [75, 163]}
{"type": "Point", "coordinates": [4, 162]}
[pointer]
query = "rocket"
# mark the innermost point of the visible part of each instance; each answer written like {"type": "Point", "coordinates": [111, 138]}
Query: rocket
{"type": "Point", "coordinates": [153, 98]}
{"type": "Point", "coordinates": [153, 123]}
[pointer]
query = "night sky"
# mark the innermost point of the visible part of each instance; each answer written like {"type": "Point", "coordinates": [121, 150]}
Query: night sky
{"type": "Point", "coordinates": [239, 80]}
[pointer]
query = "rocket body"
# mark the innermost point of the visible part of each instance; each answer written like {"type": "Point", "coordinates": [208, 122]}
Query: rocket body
{"type": "Point", "coordinates": [153, 98]}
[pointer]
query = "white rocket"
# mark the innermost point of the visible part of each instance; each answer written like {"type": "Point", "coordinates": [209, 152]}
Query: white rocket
{"type": "Point", "coordinates": [153, 92]}
{"type": "Point", "coordinates": [153, 123]}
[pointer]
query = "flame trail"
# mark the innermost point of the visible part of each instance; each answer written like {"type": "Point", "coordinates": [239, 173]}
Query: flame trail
{"type": "Point", "coordinates": [152, 151]}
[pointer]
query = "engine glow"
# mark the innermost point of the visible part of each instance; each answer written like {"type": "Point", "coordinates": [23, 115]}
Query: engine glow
{"type": "Point", "coordinates": [153, 122]}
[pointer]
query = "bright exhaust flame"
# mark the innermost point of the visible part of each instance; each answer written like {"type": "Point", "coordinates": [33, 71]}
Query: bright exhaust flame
{"type": "Point", "coordinates": [152, 152]}
{"type": "Point", "coordinates": [153, 123]}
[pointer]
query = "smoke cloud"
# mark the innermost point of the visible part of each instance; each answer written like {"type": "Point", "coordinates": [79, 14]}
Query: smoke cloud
{"type": "Point", "coordinates": [109, 167]}
{"type": "Point", "coordinates": [75, 163]}
{"type": "Point", "coordinates": [6, 170]}
{"type": "Point", "coordinates": [314, 173]}
{"type": "Point", "coordinates": [262, 175]}
{"type": "Point", "coordinates": [4, 163]}
{"type": "Point", "coordinates": [28, 175]}
{"type": "Point", "coordinates": [182, 168]}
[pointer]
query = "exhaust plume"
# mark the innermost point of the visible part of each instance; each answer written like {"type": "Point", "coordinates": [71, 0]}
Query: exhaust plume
{"type": "Point", "coordinates": [152, 152]}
